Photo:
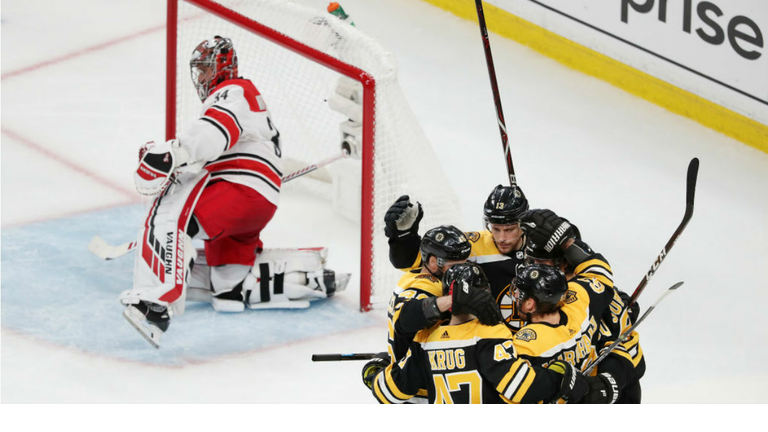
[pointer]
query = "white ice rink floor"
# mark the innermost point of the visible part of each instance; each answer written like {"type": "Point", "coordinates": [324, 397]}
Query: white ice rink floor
{"type": "Point", "coordinates": [76, 105]}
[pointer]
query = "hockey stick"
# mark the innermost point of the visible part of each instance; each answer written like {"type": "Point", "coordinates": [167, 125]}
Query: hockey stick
{"type": "Point", "coordinates": [106, 251]}
{"type": "Point", "coordinates": [623, 337]}
{"type": "Point", "coordinates": [495, 89]}
{"type": "Point", "coordinates": [693, 171]}
{"type": "Point", "coordinates": [342, 357]}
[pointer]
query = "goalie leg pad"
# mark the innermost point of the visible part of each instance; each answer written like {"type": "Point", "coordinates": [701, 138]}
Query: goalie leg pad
{"type": "Point", "coordinates": [165, 251]}
{"type": "Point", "coordinates": [227, 285]}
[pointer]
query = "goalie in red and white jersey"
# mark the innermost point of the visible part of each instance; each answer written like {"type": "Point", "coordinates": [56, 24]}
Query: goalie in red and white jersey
{"type": "Point", "coordinates": [218, 181]}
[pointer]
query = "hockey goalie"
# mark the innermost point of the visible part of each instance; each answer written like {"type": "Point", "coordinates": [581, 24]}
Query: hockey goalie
{"type": "Point", "coordinates": [219, 181]}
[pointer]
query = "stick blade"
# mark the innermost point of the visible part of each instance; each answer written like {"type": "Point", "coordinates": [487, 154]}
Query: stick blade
{"type": "Point", "coordinates": [99, 247]}
{"type": "Point", "coordinates": [693, 173]}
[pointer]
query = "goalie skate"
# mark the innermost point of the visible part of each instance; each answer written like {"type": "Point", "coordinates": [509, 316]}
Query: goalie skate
{"type": "Point", "coordinates": [149, 330]}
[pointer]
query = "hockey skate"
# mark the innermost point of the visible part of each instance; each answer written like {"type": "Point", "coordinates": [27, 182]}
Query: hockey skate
{"type": "Point", "coordinates": [149, 319]}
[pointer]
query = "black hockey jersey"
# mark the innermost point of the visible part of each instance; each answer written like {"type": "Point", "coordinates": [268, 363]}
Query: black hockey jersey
{"type": "Point", "coordinates": [499, 268]}
{"type": "Point", "coordinates": [465, 363]}
{"type": "Point", "coordinates": [590, 319]}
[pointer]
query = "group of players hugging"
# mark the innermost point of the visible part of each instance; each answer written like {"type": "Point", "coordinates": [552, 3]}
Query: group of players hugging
{"type": "Point", "coordinates": [513, 313]}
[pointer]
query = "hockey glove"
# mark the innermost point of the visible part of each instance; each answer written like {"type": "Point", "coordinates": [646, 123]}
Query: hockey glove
{"type": "Point", "coordinates": [157, 166]}
{"type": "Point", "coordinates": [634, 310]}
{"type": "Point", "coordinates": [479, 303]}
{"type": "Point", "coordinates": [546, 230]}
{"type": "Point", "coordinates": [373, 367]}
{"type": "Point", "coordinates": [402, 218]}
{"type": "Point", "coordinates": [602, 389]}
{"type": "Point", "coordinates": [573, 386]}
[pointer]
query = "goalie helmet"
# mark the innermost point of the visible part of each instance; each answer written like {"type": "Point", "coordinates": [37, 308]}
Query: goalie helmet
{"type": "Point", "coordinates": [504, 205]}
{"type": "Point", "coordinates": [468, 276]}
{"type": "Point", "coordinates": [545, 284]}
{"type": "Point", "coordinates": [213, 62]}
{"type": "Point", "coordinates": [446, 243]}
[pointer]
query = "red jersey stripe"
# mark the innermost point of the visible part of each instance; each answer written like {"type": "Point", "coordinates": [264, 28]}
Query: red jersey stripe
{"type": "Point", "coordinates": [229, 123]}
{"type": "Point", "coordinates": [244, 164]}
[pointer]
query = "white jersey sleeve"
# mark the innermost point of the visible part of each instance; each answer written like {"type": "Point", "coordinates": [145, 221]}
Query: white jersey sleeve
{"type": "Point", "coordinates": [236, 139]}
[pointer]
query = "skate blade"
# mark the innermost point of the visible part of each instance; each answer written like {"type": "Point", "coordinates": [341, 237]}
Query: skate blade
{"type": "Point", "coordinates": [342, 279]}
{"type": "Point", "coordinates": [150, 332]}
{"type": "Point", "coordinates": [293, 304]}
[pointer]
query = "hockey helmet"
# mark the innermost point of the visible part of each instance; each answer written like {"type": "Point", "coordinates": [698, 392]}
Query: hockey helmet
{"type": "Point", "coordinates": [545, 284]}
{"type": "Point", "coordinates": [446, 243]}
{"type": "Point", "coordinates": [467, 276]}
{"type": "Point", "coordinates": [213, 62]}
{"type": "Point", "coordinates": [504, 205]}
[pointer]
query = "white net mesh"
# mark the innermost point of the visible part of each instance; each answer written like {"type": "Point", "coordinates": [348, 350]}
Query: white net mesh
{"type": "Point", "coordinates": [296, 89]}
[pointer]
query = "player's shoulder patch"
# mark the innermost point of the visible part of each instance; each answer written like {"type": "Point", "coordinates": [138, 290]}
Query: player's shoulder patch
{"type": "Point", "coordinates": [473, 236]}
{"type": "Point", "coordinates": [570, 296]}
{"type": "Point", "coordinates": [525, 335]}
{"type": "Point", "coordinates": [428, 277]}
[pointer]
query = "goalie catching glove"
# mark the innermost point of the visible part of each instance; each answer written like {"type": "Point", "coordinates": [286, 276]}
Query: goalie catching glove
{"type": "Point", "coordinates": [402, 218]}
{"type": "Point", "coordinates": [158, 164]}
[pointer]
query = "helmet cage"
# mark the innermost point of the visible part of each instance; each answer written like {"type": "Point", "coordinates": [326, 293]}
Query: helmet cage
{"type": "Point", "coordinates": [212, 63]}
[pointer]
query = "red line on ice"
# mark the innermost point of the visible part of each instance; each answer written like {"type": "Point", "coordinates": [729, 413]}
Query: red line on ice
{"type": "Point", "coordinates": [82, 52]}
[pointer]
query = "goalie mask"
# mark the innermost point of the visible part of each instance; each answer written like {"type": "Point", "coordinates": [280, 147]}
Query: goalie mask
{"type": "Point", "coordinates": [213, 62]}
{"type": "Point", "coordinates": [504, 206]}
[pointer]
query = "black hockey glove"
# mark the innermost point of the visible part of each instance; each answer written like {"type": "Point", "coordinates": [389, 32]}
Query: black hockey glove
{"type": "Point", "coordinates": [374, 366]}
{"type": "Point", "coordinates": [546, 230]}
{"type": "Point", "coordinates": [402, 218]}
{"type": "Point", "coordinates": [479, 303]}
{"type": "Point", "coordinates": [573, 386]}
{"type": "Point", "coordinates": [634, 310]}
{"type": "Point", "coordinates": [602, 389]}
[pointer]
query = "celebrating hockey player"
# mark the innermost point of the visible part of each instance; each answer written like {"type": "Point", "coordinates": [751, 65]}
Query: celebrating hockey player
{"type": "Point", "coordinates": [218, 181]}
{"type": "Point", "coordinates": [464, 361]}
{"type": "Point", "coordinates": [571, 308]}
{"type": "Point", "coordinates": [440, 248]}
{"type": "Point", "coordinates": [498, 249]}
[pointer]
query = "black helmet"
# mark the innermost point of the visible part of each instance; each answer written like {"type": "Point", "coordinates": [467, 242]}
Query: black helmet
{"type": "Point", "coordinates": [504, 205]}
{"type": "Point", "coordinates": [545, 284]}
{"type": "Point", "coordinates": [465, 275]}
{"type": "Point", "coordinates": [445, 242]}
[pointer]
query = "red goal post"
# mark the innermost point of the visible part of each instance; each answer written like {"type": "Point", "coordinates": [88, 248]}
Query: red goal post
{"type": "Point", "coordinates": [384, 108]}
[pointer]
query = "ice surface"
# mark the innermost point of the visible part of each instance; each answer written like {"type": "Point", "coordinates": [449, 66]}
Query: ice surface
{"type": "Point", "coordinates": [77, 106]}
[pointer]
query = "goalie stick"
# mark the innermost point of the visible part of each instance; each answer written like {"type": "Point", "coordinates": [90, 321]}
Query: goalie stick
{"type": "Point", "coordinates": [342, 357]}
{"type": "Point", "coordinates": [495, 89]}
{"type": "Point", "coordinates": [106, 251]}
{"type": "Point", "coordinates": [629, 331]}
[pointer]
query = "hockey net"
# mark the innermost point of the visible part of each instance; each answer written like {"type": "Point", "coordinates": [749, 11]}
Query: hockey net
{"type": "Point", "coordinates": [295, 56]}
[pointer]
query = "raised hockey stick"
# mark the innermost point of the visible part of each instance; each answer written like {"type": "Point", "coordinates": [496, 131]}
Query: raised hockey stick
{"type": "Point", "coordinates": [693, 171]}
{"type": "Point", "coordinates": [495, 89]}
{"type": "Point", "coordinates": [342, 357]}
{"type": "Point", "coordinates": [106, 251]}
{"type": "Point", "coordinates": [629, 331]}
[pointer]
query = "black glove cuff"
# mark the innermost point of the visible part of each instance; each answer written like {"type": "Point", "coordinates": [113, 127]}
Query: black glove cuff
{"type": "Point", "coordinates": [431, 311]}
